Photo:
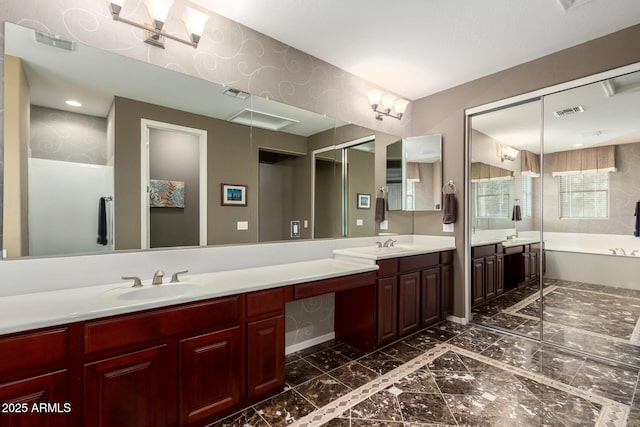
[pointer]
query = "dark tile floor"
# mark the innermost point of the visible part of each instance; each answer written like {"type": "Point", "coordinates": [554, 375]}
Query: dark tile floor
{"type": "Point", "coordinates": [449, 375]}
{"type": "Point", "coordinates": [597, 319]}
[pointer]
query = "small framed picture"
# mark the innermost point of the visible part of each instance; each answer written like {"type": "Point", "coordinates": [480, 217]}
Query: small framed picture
{"type": "Point", "coordinates": [364, 201]}
{"type": "Point", "coordinates": [234, 195]}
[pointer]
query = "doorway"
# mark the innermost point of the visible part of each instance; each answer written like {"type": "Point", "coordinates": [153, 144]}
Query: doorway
{"type": "Point", "coordinates": [174, 185]}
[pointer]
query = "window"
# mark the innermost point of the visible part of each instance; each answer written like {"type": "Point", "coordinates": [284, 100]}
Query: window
{"type": "Point", "coordinates": [527, 203]}
{"type": "Point", "coordinates": [584, 195]}
{"type": "Point", "coordinates": [492, 198]}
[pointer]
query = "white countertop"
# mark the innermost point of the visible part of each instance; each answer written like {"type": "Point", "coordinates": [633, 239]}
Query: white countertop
{"type": "Point", "coordinates": [42, 309]}
{"type": "Point", "coordinates": [505, 243]}
{"type": "Point", "coordinates": [399, 250]}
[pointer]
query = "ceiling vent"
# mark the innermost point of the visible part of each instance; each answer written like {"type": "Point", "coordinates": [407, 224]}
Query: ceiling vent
{"type": "Point", "coordinates": [262, 120]}
{"type": "Point", "coordinates": [591, 133]}
{"type": "Point", "coordinates": [569, 111]}
{"type": "Point", "coordinates": [55, 41]}
{"type": "Point", "coordinates": [236, 93]}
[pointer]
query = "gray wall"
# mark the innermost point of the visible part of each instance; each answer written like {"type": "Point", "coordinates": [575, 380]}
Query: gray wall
{"type": "Point", "coordinates": [444, 113]}
{"type": "Point", "coordinates": [624, 191]}
{"type": "Point", "coordinates": [175, 156]}
{"type": "Point", "coordinates": [67, 136]}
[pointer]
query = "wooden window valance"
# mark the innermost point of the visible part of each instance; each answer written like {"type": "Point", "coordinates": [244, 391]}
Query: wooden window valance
{"type": "Point", "coordinates": [483, 172]}
{"type": "Point", "coordinates": [586, 160]}
{"type": "Point", "coordinates": [529, 163]}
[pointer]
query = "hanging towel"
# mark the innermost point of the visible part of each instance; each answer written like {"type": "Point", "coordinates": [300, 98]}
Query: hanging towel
{"type": "Point", "coordinates": [517, 213]}
{"type": "Point", "coordinates": [102, 222]}
{"type": "Point", "coordinates": [380, 208]}
{"type": "Point", "coordinates": [637, 230]}
{"type": "Point", "coordinates": [450, 208]}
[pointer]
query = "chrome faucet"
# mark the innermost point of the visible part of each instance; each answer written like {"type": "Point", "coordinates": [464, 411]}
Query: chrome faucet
{"type": "Point", "coordinates": [389, 243]}
{"type": "Point", "coordinates": [157, 277]}
{"type": "Point", "coordinates": [378, 245]}
{"type": "Point", "coordinates": [174, 276]}
{"type": "Point", "coordinates": [613, 251]}
{"type": "Point", "coordinates": [622, 251]}
{"type": "Point", "coordinates": [634, 252]}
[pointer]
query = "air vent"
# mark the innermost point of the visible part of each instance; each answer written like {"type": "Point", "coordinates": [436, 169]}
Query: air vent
{"type": "Point", "coordinates": [55, 41]}
{"type": "Point", "coordinates": [236, 93]}
{"type": "Point", "coordinates": [569, 111]}
{"type": "Point", "coordinates": [262, 120]}
{"type": "Point", "coordinates": [591, 133]}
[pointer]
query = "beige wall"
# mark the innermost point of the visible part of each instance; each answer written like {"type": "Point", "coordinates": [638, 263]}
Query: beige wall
{"type": "Point", "coordinates": [16, 158]}
{"type": "Point", "coordinates": [232, 158]}
{"type": "Point", "coordinates": [444, 113]}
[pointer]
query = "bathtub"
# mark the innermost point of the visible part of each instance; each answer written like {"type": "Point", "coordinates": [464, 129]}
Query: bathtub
{"type": "Point", "coordinates": [588, 258]}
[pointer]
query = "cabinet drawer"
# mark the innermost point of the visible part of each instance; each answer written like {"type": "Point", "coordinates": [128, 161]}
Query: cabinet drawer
{"type": "Point", "coordinates": [34, 352]}
{"type": "Point", "coordinates": [480, 251]}
{"type": "Point", "coordinates": [417, 262]}
{"type": "Point", "coordinates": [336, 284]}
{"type": "Point", "coordinates": [388, 267]}
{"type": "Point", "coordinates": [513, 250]}
{"type": "Point", "coordinates": [137, 328]}
{"type": "Point", "coordinates": [267, 302]}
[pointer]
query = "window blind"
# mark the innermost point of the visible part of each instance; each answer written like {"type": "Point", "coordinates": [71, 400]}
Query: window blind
{"type": "Point", "coordinates": [492, 199]}
{"type": "Point", "coordinates": [585, 195]}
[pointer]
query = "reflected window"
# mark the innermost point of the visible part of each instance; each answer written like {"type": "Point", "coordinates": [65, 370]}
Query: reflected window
{"type": "Point", "coordinates": [527, 194]}
{"type": "Point", "coordinates": [584, 195]}
{"type": "Point", "coordinates": [492, 198]}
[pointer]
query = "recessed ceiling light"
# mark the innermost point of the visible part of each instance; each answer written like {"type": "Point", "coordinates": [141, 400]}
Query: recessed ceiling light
{"type": "Point", "coordinates": [578, 145]}
{"type": "Point", "coordinates": [73, 103]}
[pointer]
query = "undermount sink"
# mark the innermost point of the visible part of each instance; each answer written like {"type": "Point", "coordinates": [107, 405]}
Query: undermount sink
{"type": "Point", "coordinates": [149, 292]}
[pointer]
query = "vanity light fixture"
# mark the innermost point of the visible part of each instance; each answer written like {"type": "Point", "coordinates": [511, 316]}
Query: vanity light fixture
{"type": "Point", "coordinates": [389, 102]}
{"type": "Point", "coordinates": [507, 153]}
{"type": "Point", "coordinates": [194, 20]}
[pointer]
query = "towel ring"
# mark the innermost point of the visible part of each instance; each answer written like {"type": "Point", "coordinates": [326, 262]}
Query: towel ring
{"type": "Point", "coordinates": [449, 186]}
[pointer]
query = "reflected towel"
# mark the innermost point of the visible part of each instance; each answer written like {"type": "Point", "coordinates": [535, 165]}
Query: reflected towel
{"type": "Point", "coordinates": [380, 208]}
{"type": "Point", "coordinates": [517, 213]}
{"type": "Point", "coordinates": [450, 209]}
{"type": "Point", "coordinates": [637, 230]}
{"type": "Point", "coordinates": [102, 222]}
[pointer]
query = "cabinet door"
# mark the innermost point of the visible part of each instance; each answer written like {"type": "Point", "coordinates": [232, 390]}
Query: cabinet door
{"type": "Point", "coordinates": [408, 303]}
{"type": "Point", "coordinates": [477, 280]}
{"type": "Point", "coordinates": [430, 296]}
{"type": "Point", "coordinates": [526, 267]}
{"type": "Point", "coordinates": [129, 390]}
{"type": "Point", "coordinates": [210, 374]}
{"type": "Point", "coordinates": [533, 265]}
{"type": "Point", "coordinates": [490, 276]}
{"type": "Point", "coordinates": [387, 309]}
{"type": "Point", "coordinates": [20, 396]}
{"type": "Point", "coordinates": [499, 274]}
{"type": "Point", "coordinates": [446, 291]}
{"type": "Point", "coordinates": [265, 356]}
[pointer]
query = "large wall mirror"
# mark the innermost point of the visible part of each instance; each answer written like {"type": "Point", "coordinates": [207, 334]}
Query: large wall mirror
{"type": "Point", "coordinates": [74, 177]}
{"type": "Point", "coordinates": [553, 216]}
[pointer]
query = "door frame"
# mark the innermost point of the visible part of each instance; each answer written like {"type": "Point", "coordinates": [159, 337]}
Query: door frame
{"type": "Point", "coordinates": [145, 126]}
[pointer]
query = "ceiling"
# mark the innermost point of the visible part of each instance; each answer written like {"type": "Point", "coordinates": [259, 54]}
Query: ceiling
{"type": "Point", "coordinates": [419, 47]}
{"type": "Point", "coordinates": [610, 116]}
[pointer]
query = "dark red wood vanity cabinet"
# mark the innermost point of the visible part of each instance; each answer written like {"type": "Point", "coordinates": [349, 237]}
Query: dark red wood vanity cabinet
{"type": "Point", "coordinates": [265, 342]}
{"type": "Point", "coordinates": [34, 371]}
{"type": "Point", "coordinates": [487, 273]}
{"type": "Point", "coordinates": [413, 292]}
{"type": "Point", "coordinates": [182, 365]}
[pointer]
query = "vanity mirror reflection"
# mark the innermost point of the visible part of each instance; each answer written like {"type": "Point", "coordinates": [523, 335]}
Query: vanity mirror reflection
{"type": "Point", "coordinates": [414, 174]}
{"type": "Point", "coordinates": [94, 152]}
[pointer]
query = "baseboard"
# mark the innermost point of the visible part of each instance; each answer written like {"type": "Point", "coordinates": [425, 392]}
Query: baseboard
{"type": "Point", "coordinates": [309, 343]}
{"type": "Point", "coordinates": [456, 319]}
